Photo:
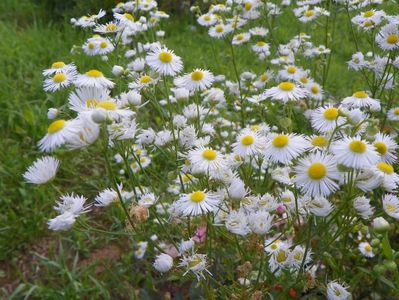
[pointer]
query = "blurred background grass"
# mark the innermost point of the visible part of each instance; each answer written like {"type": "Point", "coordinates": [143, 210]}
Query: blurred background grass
{"type": "Point", "coordinates": [34, 34]}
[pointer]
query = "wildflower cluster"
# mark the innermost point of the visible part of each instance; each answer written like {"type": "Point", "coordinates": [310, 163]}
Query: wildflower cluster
{"type": "Point", "coordinates": [261, 183]}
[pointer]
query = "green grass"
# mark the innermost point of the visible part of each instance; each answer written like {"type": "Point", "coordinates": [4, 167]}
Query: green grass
{"type": "Point", "coordinates": [28, 44]}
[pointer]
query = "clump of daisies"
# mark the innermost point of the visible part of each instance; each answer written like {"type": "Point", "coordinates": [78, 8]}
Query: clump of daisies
{"type": "Point", "coordinates": [265, 179]}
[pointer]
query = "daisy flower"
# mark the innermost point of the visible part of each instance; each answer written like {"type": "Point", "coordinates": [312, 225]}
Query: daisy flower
{"type": "Point", "coordinates": [393, 114]}
{"type": "Point", "coordinates": [362, 206]}
{"type": "Point", "coordinates": [198, 203]}
{"type": "Point", "coordinates": [284, 148]}
{"type": "Point", "coordinates": [197, 80]}
{"type": "Point", "coordinates": [241, 38]}
{"type": "Point", "coordinates": [336, 291]}
{"type": "Point", "coordinates": [43, 170]}
{"type": "Point", "coordinates": [285, 92]}
{"type": "Point", "coordinates": [62, 222]}
{"type": "Point", "coordinates": [60, 67]}
{"type": "Point", "coordinates": [366, 249]}
{"type": "Point", "coordinates": [388, 37]}
{"type": "Point", "coordinates": [237, 223]}
{"type": "Point", "coordinates": [355, 153]}
{"type": "Point", "coordinates": [58, 81]}
{"type": "Point", "coordinates": [206, 160]}
{"type": "Point", "coordinates": [87, 98]}
{"type": "Point", "coordinates": [297, 257]}
{"type": "Point", "coordinates": [318, 142]}
{"type": "Point", "coordinates": [163, 263]}
{"type": "Point", "coordinates": [361, 99]}
{"type": "Point", "coordinates": [291, 73]}
{"type": "Point", "coordinates": [326, 119]}
{"type": "Point", "coordinates": [320, 206]}
{"type": "Point", "coordinates": [220, 31]}
{"type": "Point", "coordinates": [58, 133]}
{"type": "Point", "coordinates": [196, 264]}
{"type": "Point", "coordinates": [259, 31]}
{"type": "Point", "coordinates": [316, 175]}
{"type": "Point", "coordinates": [93, 78]}
{"type": "Point", "coordinates": [386, 147]}
{"type": "Point", "coordinates": [142, 82]}
{"type": "Point", "coordinates": [72, 203]}
{"type": "Point", "coordinates": [260, 222]}
{"type": "Point", "coordinates": [369, 19]}
{"type": "Point", "coordinates": [164, 62]}
{"type": "Point", "coordinates": [314, 91]}
{"type": "Point", "coordinates": [110, 27]}
{"type": "Point", "coordinates": [248, 143]}
{"type": "Point", "coordinates": [106, 197]}
{"type": "Point", "coordinates": [390, 204]}
{"type": "Point", "coordinates": [261, 47]}
{"type": "Point", "coordinates": [207, 20]}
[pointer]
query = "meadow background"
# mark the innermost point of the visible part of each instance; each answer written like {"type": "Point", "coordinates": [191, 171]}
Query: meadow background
{"type": "Point", "coordinates": [47, 265]}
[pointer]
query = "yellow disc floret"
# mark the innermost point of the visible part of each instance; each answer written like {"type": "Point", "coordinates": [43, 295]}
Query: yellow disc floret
{"type": "Point", "coordinates": [386, 168]}
{"type": "Point", "coordinates": [280, 141]}
{"type": "Point", "coordinates": [392, 39]}
{"type": "Point", "coordinates": [58, 65]}
{"type": "Point", "coordinates": [197, 196]}
{"type": "Point", "coordinates": [331, 113]}
{"type": "Point", "coordinates": [209, 154]}
{"type": "Point", "coordinates": [247, 140]}
{"type": "Point", "coordinates": [94, 73]}
{"type": "Point", "coordinates": [197, 75]}
{"type": "Point", "coordinates": [357, 146]}
{"type": "Point", "coordinates": [319, 141]}
{"type": "Point", "coordinates": [317, 171]}
{"type": "Point", "coordinates": [165, 57]}
{"type": "Point", "coordinates": [381, 148]}
{"type": "Point", "coordinates": [360, 94]}
{"type": "Point", "coordinates": [107, 105]}
{"type": "Point", "coordinates": [59, 77]}
{"type": "Point", "coordinates": [56, 126]}
{"type": "Point", "coordinates": [286, 86]}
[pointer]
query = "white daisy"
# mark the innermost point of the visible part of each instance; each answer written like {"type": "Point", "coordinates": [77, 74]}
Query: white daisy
{"type": "Point", "coordinates": [198, 203]}
{"type": "Point", "coordinates": [58, 133]}
{"type": "Point", "coordinates": [43, 170]}
{"type": "Point", "coordinates": [163, 263]}
{"type": "Point", "coordinates": [326, 119]}
{"type": "Point", "coordinates": [390, 203]}
{"type": "Point", "coordinates": [366, 249]}
{"type": "Point", "coordinates": [285, 92]}
{"type": "Point", "coordinates": [60, 67]}
{"type": "Point", "coordinates": [220, 31]}
{"type": "Point", "coordinates": [62, 222]}
{"type": "Point", "coordinates": [93, 78]}
{"type": "Point", "coordinates": [197, 80]}
{"type": "Point", "coordinates": [249, 143]}
{"type": "Point", "coordinates": [87, 98]}
{"type": "Point", "coordinates": [355, 153]}
{"type": "Point", "coordinates": [388, 37]}
{"type": "Point", "coordinates": [207, 20]}
{"type": "Point", "coordinates": [72, 203]}
{"type": "Point", "coordinates": [336, 291]}
{"type": "Point", "coordinates": [284, 148]}
{"type": "Point", "coordinates": [393, 114]}
{"type": "Point", "coordinates": [316, 175]}
{"type": "Point", "coordinates": [386, 147]}
{"type": "Point", "coordinates": [106, 197]}
{"type": "Point", "coordinates": [206, 160]}
{"type": "Point", "coordinates": [196, 264]}
{"type": "Point", "coordinates": [164, 62]}
{"type": "Point", "coordinates": [58, 81]}
{"type": "Point", "coordinates": [361, 99]}
{"type": "Point", "coordinates": [241, 38]}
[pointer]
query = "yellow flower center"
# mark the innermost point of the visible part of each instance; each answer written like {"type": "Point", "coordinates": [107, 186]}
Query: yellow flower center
{"type": "Point", "coordinates": [396, 111]}
{"type": "Point", "coordinates": [254, 127]}
{"type": "Point", "coordinates": [207, 18]}
{"type": "Point", "coordinates": [357, 146]}
{"type": "Point", "coordinates": [309, 13]}
{"type": "Point", "coordinates": [94, 73]}
{"type": "Point", "coordinates": [330, 113]}
{"type": "Point", "coordinates": [197, 75]}
{"type": "Point", "coordinates": [315, 89]}
{"type": "Point", "coordinates": [274, 246]}
{"type": "Point", "coordinates": [303, 80]}
{"type": "Point", "coordinates": [103, 44]}
{"type": "Point", "coordinates": [381, 147]}
{"type": "Point", "coordinates": [247, 140]}
{"type": "Point", "coordinates": [264, 77]}
{"type": "Point", "coordinates": [145, 79]}
{"type": "Point", "coordinates": [261, 43]}
{"type": "Point", "coordinates": [281, 256]}
{"type": "Point", "coordinates": [286, 86]}
{"type": "Point", "coordinates": [239, 37]}
{"type": "Point", "coordinates": [317, 171]}
{"type": "Point", "coordinates": [392, 39]}
{"type": "Point", "coordinates": [368, 14]}
{"type": "Point", "coordinates": [248, 6]}
{"type": "Point", "coordinates": [360, 94]}
{"type": "Point", "coordinates": [390, 207]}
{"type": "Point", "coordinates": [194, 262]}
{"type": "Point", "coordinates": [128, 16]}
{"type": "Point", "coordinates": [384, 167]}
{"type": "Point", "coordinates": [59, 77]}
{"type": "Point", "coordinates": [58, 65]}
{"type": "Point", "coordinates": [108, 105]}
{"type": "Point", "coordinates": [186, 178]}
{"type": "Point", "coordinates": [209, 154]}
{"type": "Point", "coordinates": [90, 45]}
{"type": "Point", "coordinates": [319, 141]}
{"type": "Point", "coordinates": [142, 160]}
{"type": "Point", "coordinates": [111, 27]}
{"type": "Point", "coordinates": [298, 256]}
{"type": "Point", "coordinates": [90, 103]}
{"type": "Point", "coordinates": [280, 141]}
{"type": "Point", "coordinates": [291, 70]}
{"type": "Point", "coordinates": [219, 28]}
{"type": "Point", "coordinates": [56, 126]}
{"type": "Point", "coordinates": [197, 196]}
{"type": "Point", "coordinates": [165, 57]}
{"type": "Point", "coordinates": [368, 248]}
{"type": "Point", "coordinates": [368, 23]}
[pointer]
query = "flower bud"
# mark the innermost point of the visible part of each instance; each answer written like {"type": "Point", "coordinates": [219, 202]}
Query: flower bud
{"type": "Point", "coordinates": [380, 224]}
{"type": "Point", "coordinates": [117, 70]}
{"type": "Point", "coordinates": [163, 263]}
{"type": "Point", "coordinates": [99, 116]}
{"type": "Point", "coordinates": [52, 113]}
